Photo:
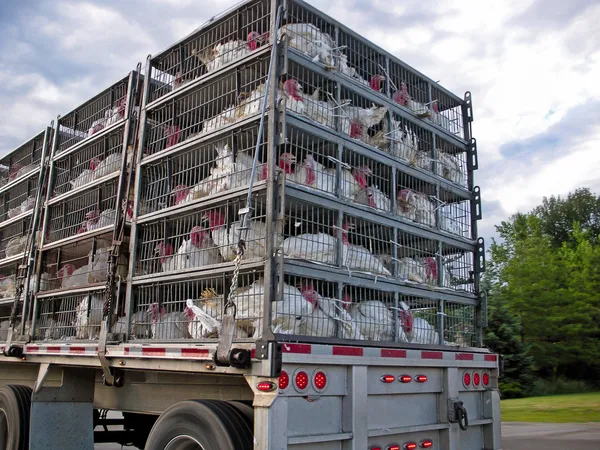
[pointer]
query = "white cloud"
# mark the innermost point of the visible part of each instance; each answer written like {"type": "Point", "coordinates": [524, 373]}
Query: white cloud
{"type": "Point", "coordinates": [525, 80]}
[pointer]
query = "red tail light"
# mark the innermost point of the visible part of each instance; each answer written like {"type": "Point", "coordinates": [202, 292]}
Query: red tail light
{"type": "Point", "coordinates": [410, 446]}
{"type": "Point", "coordinates": [388, 379]}
{"type": "Point", "coordinates": [427, 443]}
{"type": "Point", "coordinates": [486, 379]}
{"type": "Point", "coordinates": [467, 379]}
{"type": "Point", "coordinates": [301, 380]}
{"type": "Point", "coordinates": [393, 447]}
{"type": "Point", "coordinates": [284, 380]}
{"type": "Point", "coordinates": [375, 448]}
{"type": "Point", "coordinates": [404, 378]}
{"type": "Point", "coordinates": [320, 380]}
{"type": "Point", "coordinates": [420, 379]}
{"type": "Point", "coordinates": [265, 386]}
{"type": "Point", "coordinates": [476, 379]}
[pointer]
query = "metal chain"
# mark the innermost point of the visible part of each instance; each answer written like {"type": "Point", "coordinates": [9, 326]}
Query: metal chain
{"type": "Point", "coordinates": [108, 291]}
{"type": "Point", "coordinates": [14, 312]}
{"type": "Point", "coordinates": [234, 281]}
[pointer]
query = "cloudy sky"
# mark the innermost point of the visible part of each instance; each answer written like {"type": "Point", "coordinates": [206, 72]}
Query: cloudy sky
{"type": "Point", "coordinates": [533, 67]}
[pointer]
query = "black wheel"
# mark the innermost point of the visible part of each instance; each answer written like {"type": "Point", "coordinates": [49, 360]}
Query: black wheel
{"type": "Point", "coordinates": [246, 410]}
{"type": "Point", "coordinates": [15, 412]}
{"type": "Point", "coordinates": [201, 425]}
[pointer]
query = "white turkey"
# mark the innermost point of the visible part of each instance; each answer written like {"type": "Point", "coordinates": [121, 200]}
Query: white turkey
{"type": "Point", "coordinates": [287, 314]}
{"type": "Point", "coordinates": [440, 119]}
{"type": "Point", "coordinates": [402, 97]}
{"type": "Point", "coordinates": [86, 176]}
{"type": "Point", "coordinates": [418, 330]}
{"type": "Point", "coordinates": [26, 205]}
{"type": "Point", "coordinates": [354, 181]}
{"type": "Point", "coordinates": [356, 121]}
{"type": "Point", "coordinates": [313, 174]}
{"type": "Point", "coordinates": [330, 317]}
{"type": "Point", "coordinates": [164, 251]}
{"type": "Point", "coordinates": [110, 164]}
{"type": "Point", "coordinates": [15, 246]}
{"type": "Point", "coordinates": [309, 39]}
{"type": "Point", "coordinates": [404, 144]}
{"type": "Point", "coordinates": [374, 319]}
{"type": "Point", "coordinates": [416, 206]}
{"type": "Point", "coordinates": [88, 317]}
{"type": "Point", "coordinates": [224, 53]}
{"type": "Point", "coordinates": [450, 168]}
{"type": "Point", "coordinates": [44, 282]}
{"type": "Point", "coordinates": [71, 277]}
{"type": "Point", "coordinates": [95, 220]}
{"type": "Point", "coordinates": [26, 169]}
{"type": "Point", "coordinates": [140, 325]}
{"type": "Point", "coordinates": [197, 251]}
{"type": "Point", "coordinates": [356, 257]}
{"type": "Point", "coordinates": [166, 326]}
{"type": "Point", "coordinates": [227, 240]}
{"type": "Point", "coordinates": [8, 286]}
{"type": "Point", "coordinates": [374, 198]}
{"type": "Point", "coordinates": [450, 223]}
{"type": "Point", "coordinates": [412, 270]}
{"type": "Point", "coordinates": [205, 316]}
{"type": "Point", "coordinates": [99, 271]}
{"type": "Point", "coordinates": [319, 247]}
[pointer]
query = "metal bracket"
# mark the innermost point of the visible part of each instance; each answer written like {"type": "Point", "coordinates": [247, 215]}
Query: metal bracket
{"type": "Point", "coordinates": [271, 351]}
{"type": "Point", "coordinates": [476, 203]}
{"type": "Point", "coordinates": [42, 374]}
{"type": "Point", "coordinates": [483, 310]}
{"type": "Point", "coordinates": [110, 378]}
{"type": "Point", "coordinates": [469, 107]}
{"type": "Point", "coordinates": [472, 159]}
{"type": "Point", "coordinates": [480, 256]}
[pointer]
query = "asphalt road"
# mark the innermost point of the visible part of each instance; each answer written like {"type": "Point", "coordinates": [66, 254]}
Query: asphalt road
{"type": "Point", "coordinates": [524, 436]}
{"type": "Point", "coordinates": [550, 436]}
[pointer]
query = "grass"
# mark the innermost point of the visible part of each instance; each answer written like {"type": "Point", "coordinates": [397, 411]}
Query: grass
{"type": "Point", "coordinates": [553, 409]}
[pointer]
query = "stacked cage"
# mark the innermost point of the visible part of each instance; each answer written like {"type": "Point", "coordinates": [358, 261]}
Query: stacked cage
{"type": "Point", "coordinates": [363, 205]}
{"type": "Point", "coordinates": [21, 172]}
{"type": "Point", "coordinates": [87, 213]}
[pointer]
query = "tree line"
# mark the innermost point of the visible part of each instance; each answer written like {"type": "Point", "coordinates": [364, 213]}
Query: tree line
{"type": "Point", "coordinates": [543, 286]}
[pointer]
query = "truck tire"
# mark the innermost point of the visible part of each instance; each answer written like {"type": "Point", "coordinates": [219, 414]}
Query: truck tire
{"type": "Point", "coordinates": [201, 425]}
{"type": "Point", "coordinates": [15, 413]}
{"type": "Point", "coordinates": [246, 410]}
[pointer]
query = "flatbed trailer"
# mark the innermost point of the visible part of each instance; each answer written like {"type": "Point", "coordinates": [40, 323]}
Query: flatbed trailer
{"type": "Point", "coordinates": [263, 238]}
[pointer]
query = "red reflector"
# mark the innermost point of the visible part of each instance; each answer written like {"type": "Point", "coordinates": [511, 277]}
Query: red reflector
{"type": "Point", "coordinates": [486, 379]}
{"type": "Point", "coordinates": [405, 379]}
{"type": "Point", "coordinates": [467, 379]}
{"type": "Point", "coordinates": [476, 379]}
{"type": "Point", "coordinates": [265, 386]}
{"type": "Point", "coordinates": [284, 380]}
{"type": "Point", "coordinates": [426, 444]}
{"type": "Point", "coordinates": [388, 379]}
{"type": "Point", "coordinates": [320, 380]}
{"type": "Point", "coordinates": [410, 446]}
{"type": "Point", "coordinates": [420, 379]}
{"type": "Point", "coordinates": [301, 380]}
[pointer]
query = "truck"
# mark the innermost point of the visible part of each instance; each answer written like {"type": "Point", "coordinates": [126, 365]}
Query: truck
{"type": "Point", "coordinates": [265, 237]}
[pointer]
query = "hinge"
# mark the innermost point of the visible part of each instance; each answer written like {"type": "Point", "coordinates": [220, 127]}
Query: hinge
{"type": "Point", "coordinates": [472, 160]}
{"type": "Point", "coordinates": [480, 256]}
{"type": "Point", "coordinates": [476, 203]}
{"type": "Point", "coordinates": [270, 351]}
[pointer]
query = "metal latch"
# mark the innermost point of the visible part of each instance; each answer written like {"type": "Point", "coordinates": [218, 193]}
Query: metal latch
{"type": "Point", "coordinates": [458, 413]}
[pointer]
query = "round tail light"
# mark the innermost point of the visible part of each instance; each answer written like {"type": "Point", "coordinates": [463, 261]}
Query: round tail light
{"type": "Point", "coordinates": [467, 379]}
{"type": "Point", "coordinates": [476, 379]}
{"type": "Point", "coordinates": [284, 380]}
{"type": "Point", "coordinates": [301, 380]}
{"type": "Point", "coordinates": [320, 380]}
{"type": "Point", "coordinates": [486, 379]}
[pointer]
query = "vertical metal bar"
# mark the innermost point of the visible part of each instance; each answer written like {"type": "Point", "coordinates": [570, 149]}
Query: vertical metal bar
{"type": "Point", "coordinates": [32, 250]}
{"type": "Point", "coordinates": [136, 195]}
{"type": "Point", "coordinates": [273, 85]}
